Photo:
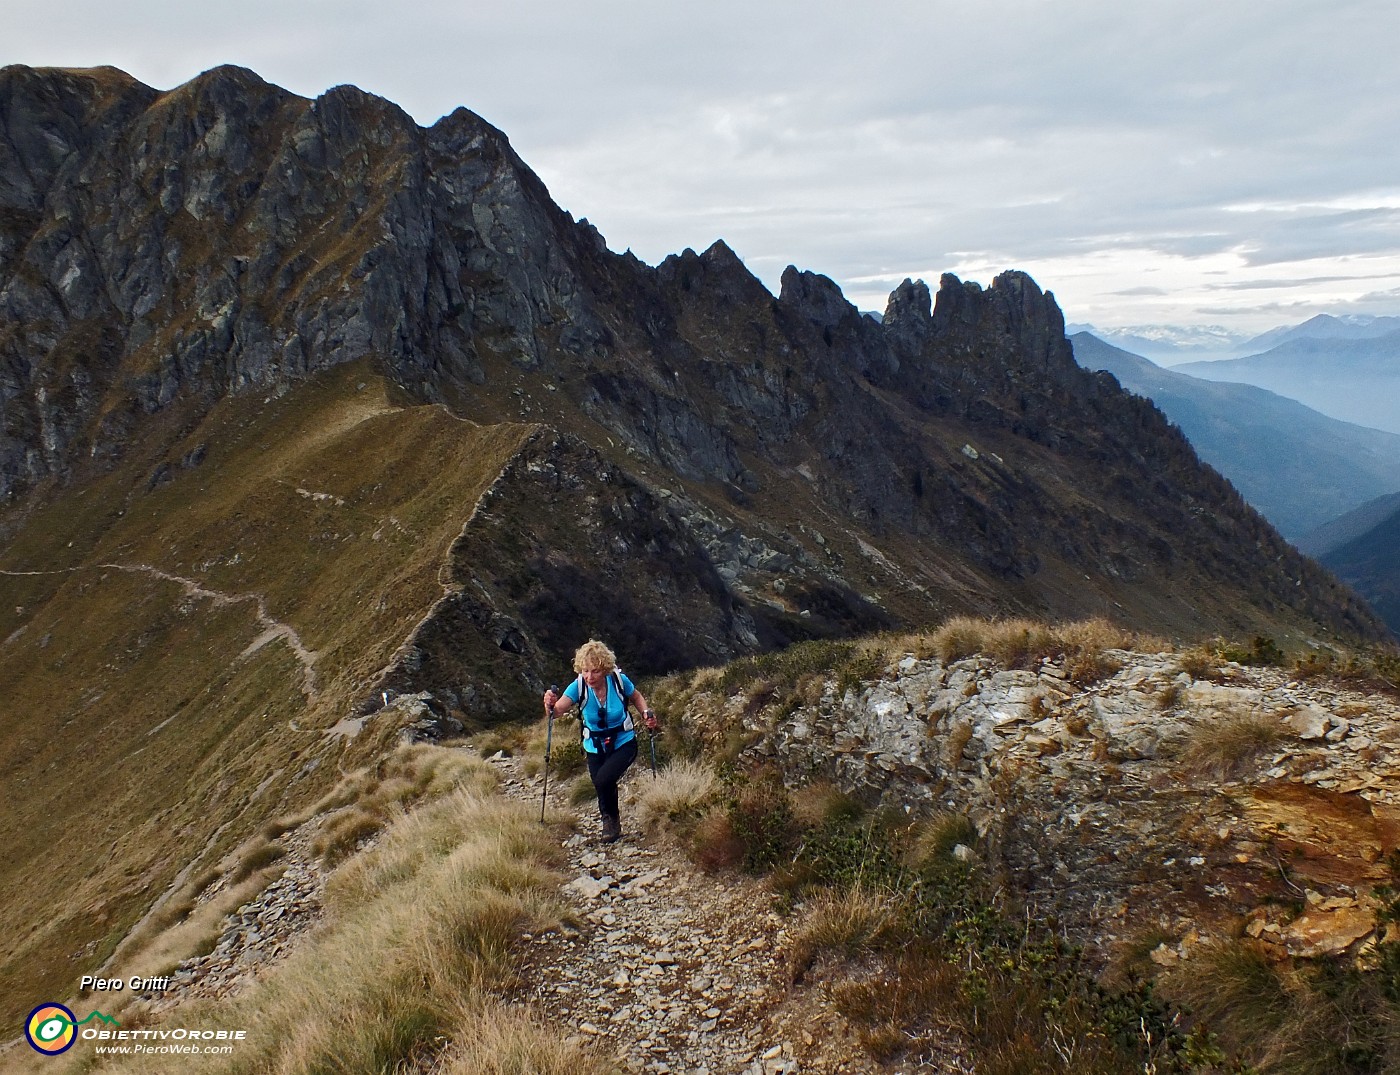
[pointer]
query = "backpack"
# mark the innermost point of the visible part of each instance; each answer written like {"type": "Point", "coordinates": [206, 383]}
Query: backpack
{"type": "Point", "coordinates": [603, 737]}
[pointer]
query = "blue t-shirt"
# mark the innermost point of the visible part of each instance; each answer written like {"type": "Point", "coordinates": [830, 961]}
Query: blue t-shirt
{"type": "Point", "coordinates": [596, 717]}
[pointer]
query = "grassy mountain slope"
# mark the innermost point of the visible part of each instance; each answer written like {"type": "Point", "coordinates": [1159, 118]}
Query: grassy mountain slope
{"type": "Point", "coordinates": [158, 710]}
{"type": "Point", "coordinates": [1298, 467]}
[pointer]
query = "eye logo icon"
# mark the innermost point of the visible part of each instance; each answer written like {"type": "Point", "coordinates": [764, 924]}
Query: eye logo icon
{"type": "Point", "coordinates": [51, 1028]}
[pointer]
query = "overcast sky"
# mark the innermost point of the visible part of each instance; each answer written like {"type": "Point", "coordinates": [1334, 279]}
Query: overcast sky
{"type": "Point", "coordinates": [1151, 162]}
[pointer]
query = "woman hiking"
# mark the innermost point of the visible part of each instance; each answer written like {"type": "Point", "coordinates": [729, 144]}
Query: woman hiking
{"type": "Point", "coordinates": [603, 695]}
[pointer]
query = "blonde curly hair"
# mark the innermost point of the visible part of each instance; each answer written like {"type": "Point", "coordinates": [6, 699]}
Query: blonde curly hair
{"type": "Point", "coordinates": [593, 654]}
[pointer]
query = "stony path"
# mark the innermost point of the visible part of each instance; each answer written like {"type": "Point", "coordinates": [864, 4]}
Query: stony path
{"type": "Point", "coordinates": [256, 936]}
{"type": "Point", "coordinates": [673, 971]}
{"type": "Point", "coordinates": [670, 971]}
{"type": "Point", "coordinates": [272, 629]}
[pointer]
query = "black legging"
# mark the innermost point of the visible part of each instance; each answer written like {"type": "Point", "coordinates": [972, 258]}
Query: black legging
{"type": "Point", "coordinates": [606, 771]}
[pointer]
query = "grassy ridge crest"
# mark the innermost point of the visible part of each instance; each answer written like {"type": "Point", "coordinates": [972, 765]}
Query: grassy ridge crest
{"type": "Point", "coordinates": [179, 633]}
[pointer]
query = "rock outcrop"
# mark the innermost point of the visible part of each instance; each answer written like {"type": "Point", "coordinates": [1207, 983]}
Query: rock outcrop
{"type": "Point", "coordinates": [1132, 803]}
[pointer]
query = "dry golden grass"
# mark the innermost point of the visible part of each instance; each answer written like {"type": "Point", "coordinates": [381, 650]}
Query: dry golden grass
{"type": "Point", "coordinates": [342, 832]}
{"type": "Point", "coordinates": [677, 796]}
{"type": "Point", "coordinates": [1022, 643]}
{"type": "Point", "coordinates": [260, 853]}
{"type": "Point", "coordinates": [158, 947]}
{"type": "Point", "coordinates": [1238, 990]}
{"type": "Point", "coordinates": [582, 791]}
{"type": "Point", "coordinates": [960, 637]}
{"type": "Point", "coordinates": [365, 801]}
{"type": "Point", "coordinates": [919, 987]}
{"type": "Point", "coordinates": [936, 836]}
{"type": "Point", "coordinates": [419, 932]}
{"type": "Point", "coordinates": [959, 735]}
{"type": "Point", "coordinates": [1199, 662]}
{"type": "Point", "coordinates": [496, 1040]}
{"type": "Point", "coordinates": [510, 739]}
{"type": "Point", "coordinates": [847, 923]}
{"type": "Point", "coordinates": [183, 926]}
{"type": "Point", "coordinates": [714, 843]}
{"type": "Point", "coordinates": [821, 802]}
{"type": "Point", "coordinates": [1225, 748]}
{"type": "Point", "coordinates": [705, 678]}
{"type": "Point", "coordinates": [1319, 1018]}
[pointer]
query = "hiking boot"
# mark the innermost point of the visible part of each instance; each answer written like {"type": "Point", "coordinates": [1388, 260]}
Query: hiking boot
{"type": "Point", "coordinates": [612, 829]}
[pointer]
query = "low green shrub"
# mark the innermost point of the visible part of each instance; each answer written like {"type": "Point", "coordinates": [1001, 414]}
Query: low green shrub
{"type": "Point", "coordinates": [1261, 651]}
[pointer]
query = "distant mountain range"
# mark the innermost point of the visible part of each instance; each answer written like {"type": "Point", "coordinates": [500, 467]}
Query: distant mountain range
{"type": "Point", "coordinates": [1324, 327]}
{"type": "Point", "coordinates": [1363, 548]}
{"type": "Point", "coordinates": [1300, 468]}
{"type": "Point", "coordinates": [1170, 343]}
{"type": "Point", "coordinates": [1356, 380]}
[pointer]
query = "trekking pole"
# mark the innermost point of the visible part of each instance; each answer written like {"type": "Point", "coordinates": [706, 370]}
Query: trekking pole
{"type": "Point", "coordinates": [651, 741]}
{"type": "Point", "coordinates": [548, 744]}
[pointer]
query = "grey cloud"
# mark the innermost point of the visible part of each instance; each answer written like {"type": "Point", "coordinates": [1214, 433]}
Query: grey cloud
{"type": "Point", "coordinates": [1279, 284]}
{"type": "Point", "coordinates": [859, 141]}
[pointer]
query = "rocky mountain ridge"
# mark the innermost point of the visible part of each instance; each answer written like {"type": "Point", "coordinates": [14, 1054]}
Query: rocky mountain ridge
{"type": "Point", "coordinates": [162, 250]}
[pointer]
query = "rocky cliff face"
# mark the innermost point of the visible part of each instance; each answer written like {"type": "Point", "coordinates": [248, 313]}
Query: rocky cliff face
{"type": "Point", "coordinates": [162, 251]}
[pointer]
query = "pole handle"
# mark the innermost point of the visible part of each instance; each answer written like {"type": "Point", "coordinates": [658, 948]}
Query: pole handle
{"type": "Point", "coordinates": [548, 746]}
{"type": "Point", "coordinates": [549, 719]}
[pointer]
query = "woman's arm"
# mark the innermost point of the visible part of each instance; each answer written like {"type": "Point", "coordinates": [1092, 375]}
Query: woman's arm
{"type": "Point", "coordinates": [639, 703]}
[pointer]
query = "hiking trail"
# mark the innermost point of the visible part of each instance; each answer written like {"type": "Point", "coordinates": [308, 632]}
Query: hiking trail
{"type": "Point", "coordinates": [674, 971]}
